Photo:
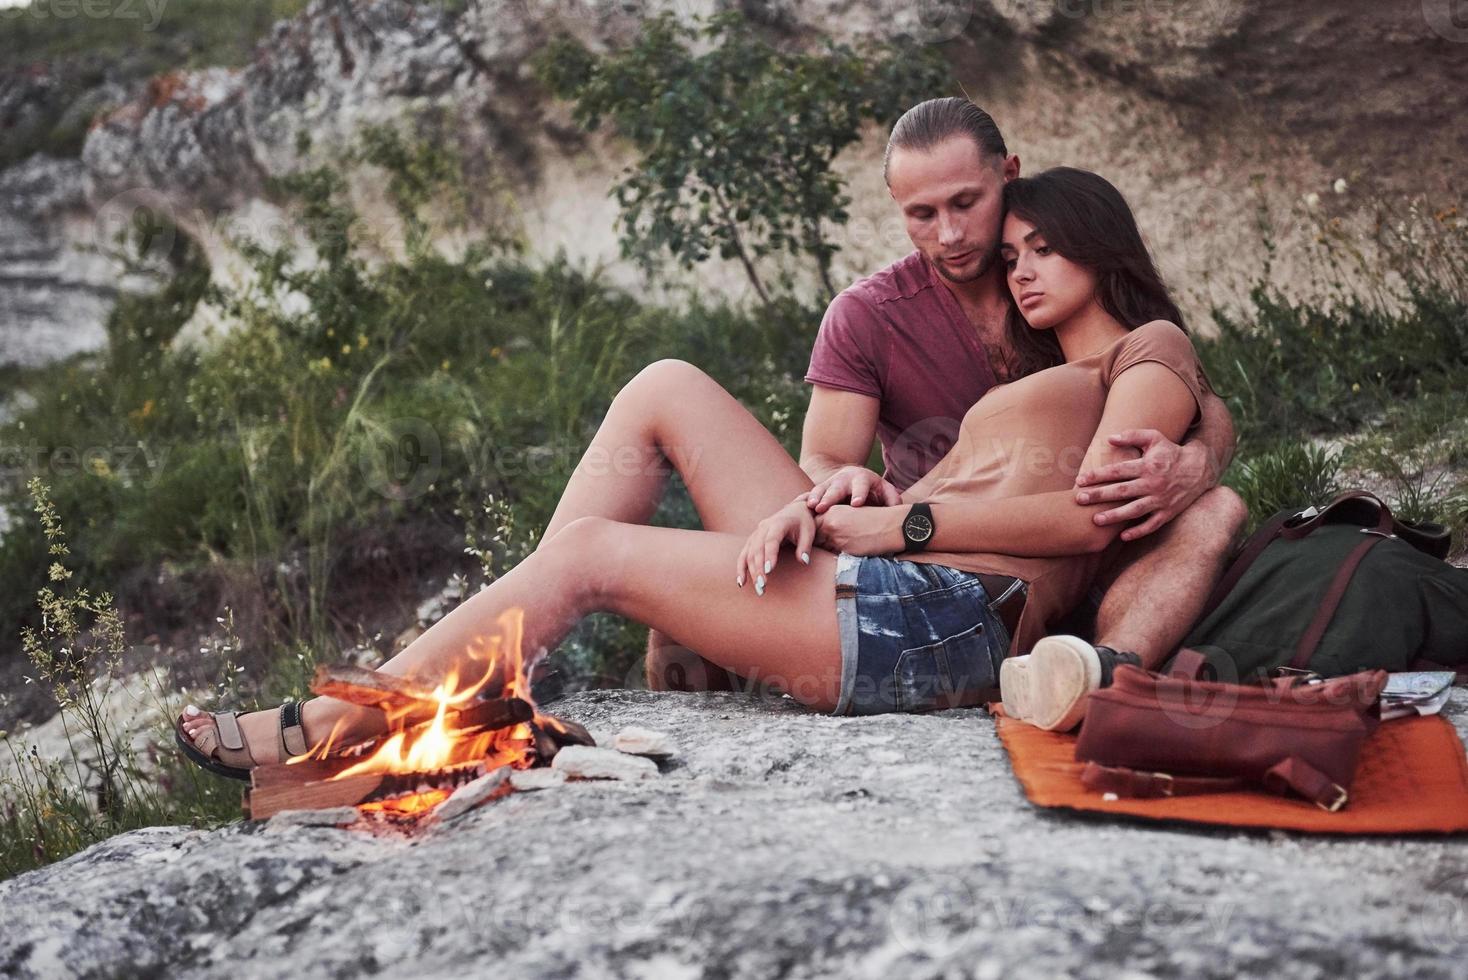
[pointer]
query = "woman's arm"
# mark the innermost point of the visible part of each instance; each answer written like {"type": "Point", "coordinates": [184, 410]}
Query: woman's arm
{"type": "Point", "coordinates": [1148, 395]}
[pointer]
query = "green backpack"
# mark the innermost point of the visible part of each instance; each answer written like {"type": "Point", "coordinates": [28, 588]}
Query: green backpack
{"type": "Point", "coordinates": [1333, 591]}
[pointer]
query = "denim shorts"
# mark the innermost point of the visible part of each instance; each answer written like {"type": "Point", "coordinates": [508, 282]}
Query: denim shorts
{"type": "Point", "coordinates": [915, 636]}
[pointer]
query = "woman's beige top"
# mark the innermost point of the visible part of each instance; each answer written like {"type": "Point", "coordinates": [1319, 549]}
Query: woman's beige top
{"type": "Point", "coordinates": [1030, 436]}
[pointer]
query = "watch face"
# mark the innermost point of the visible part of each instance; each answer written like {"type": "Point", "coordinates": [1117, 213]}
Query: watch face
{"type": "Point", "coordinates": [918, 528]}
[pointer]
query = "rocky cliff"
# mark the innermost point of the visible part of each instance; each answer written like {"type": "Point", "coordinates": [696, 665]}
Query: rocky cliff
{"type": "Point", "coordinates": [1205, 114]}
{"type": "Point", "coordinates": [776, 843]}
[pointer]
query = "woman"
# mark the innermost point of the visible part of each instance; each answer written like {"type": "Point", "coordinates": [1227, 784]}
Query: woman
{"type": "Point", "coordinates": [911, 633]}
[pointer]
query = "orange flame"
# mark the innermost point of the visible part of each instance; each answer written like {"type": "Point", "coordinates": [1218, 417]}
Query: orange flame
{"type": "Point", "coordinates": [439, 744]}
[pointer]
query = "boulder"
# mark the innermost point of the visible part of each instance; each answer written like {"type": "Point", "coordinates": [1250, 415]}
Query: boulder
{"type": "Point", "coordinates": [778, 843]}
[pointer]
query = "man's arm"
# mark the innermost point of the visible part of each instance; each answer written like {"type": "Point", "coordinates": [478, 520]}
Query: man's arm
{"type": "Point", "coordinates": [839, 429]}
{"type": "Point", "coordinates": [1167, 478]}
{"type": "Point", "coordinates": [1215, 435]}
{"type": "Point", "coordinates": [834, 445]}
{"type": "Point", "coordinates": [1040, 524]}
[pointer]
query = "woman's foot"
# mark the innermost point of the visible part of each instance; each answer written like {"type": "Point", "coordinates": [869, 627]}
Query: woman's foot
{"type": "Point", "coordinates": [233, 744]}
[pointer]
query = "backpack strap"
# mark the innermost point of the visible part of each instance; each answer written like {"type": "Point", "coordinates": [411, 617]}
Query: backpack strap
{"type": "Point", "coordinates": [1143, 784]}
{"type": "Point", "coordinates": [1288, 774]}
{"type": "Point", "coordinates": [1251, 551]}
{"type": "Point", "coordinates": [1313, 634]}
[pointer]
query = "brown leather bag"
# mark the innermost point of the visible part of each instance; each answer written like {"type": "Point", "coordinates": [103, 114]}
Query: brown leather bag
{"type": "Point", "coordinates": [1150, 735]}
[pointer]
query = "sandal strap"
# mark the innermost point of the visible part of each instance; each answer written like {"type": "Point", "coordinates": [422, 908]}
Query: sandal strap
{"type": "Point", "coordinates": [229, 731]}
{"type": "Point", "coordinates": [292, 733]}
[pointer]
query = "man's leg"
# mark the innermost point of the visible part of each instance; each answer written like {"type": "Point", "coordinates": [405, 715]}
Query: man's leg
{"type": "Point", "coordinates": [1165, 578]}
{"type": "Point", "coordinates": [1145, 614]}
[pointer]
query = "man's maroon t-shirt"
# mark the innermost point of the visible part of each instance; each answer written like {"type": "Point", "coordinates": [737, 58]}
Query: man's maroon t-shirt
{"type": "Point", "coordinates": [900, 336]}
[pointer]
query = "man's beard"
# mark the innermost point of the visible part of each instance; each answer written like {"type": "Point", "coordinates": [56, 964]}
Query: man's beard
{"type": "Point", "coordinates": [985, 264]}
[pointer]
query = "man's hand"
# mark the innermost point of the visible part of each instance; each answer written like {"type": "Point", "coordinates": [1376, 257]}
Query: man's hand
{"type": "Point", "coordinates": [1160, 485]}
{"type": "Point", "coordinates": [794, 523]}
{"type": "Point", "coordinates": [856, 484]}
{"type": "Point", "coordinates": [861, 530]}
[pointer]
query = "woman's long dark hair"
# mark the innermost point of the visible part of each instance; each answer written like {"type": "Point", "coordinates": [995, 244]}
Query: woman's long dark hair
{"type": "Point", "coordinates": [1085, 219]}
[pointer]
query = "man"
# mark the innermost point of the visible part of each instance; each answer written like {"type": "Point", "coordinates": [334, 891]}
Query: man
{"type": "Point", "coordinates": [903, 354]}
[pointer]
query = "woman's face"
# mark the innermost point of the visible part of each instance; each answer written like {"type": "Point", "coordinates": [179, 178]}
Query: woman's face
{"type": "Point", "coordinates": [1047, 287]}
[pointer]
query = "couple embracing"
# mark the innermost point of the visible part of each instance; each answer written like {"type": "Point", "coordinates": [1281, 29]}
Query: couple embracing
{"type": "Point", "coordinates": [1072, 522]}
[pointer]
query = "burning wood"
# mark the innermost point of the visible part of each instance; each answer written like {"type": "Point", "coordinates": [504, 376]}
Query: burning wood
{"type": "Point", "coordinates": [437, 740]}
{"type": "Point", "coordinates": [394, 695]}
{"type": "Point", "coordinates": [276, 792]}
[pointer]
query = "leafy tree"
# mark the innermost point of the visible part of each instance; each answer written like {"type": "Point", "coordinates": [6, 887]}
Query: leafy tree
{"type": "Point", "coordinates": [737, 137]}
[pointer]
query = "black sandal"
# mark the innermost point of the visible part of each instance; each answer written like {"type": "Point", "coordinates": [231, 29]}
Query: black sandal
{"type": "Point", "coordinates": [222, 749]}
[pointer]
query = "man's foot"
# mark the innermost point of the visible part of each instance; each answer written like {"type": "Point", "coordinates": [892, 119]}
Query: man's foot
{"type": "Point", "coordinates": [1048, 687]}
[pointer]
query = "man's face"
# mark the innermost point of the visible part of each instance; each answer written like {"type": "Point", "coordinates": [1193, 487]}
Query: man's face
{"type": "Point", "coordinates": [951, 197]}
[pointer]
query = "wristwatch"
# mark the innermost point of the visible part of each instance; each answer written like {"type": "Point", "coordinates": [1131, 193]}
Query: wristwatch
{"type": "Point", "coordinates": [917, 529]}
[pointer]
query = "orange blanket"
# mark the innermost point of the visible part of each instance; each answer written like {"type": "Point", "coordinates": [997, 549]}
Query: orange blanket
{"type": "Point", "coordinates": [1412, 778]}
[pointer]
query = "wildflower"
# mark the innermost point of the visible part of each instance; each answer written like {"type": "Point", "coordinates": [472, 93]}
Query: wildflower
{"type": "Point", "coordinates": [100, 467]}
{"type": "Point", "coordinates": [346, 348]}
{"type": "Point", "coordinates": [1339, 186]}
{"type": "Point", "coordinates": [444, 366]}
{"type": "Point", "coordinates": [1356, 386]}
{"type": "Point", "coordinates": [361, 341]}
{"type": "Point", "coordinates": [496, 353]}
{"type": "Point", "coordinates": [1312, 199]}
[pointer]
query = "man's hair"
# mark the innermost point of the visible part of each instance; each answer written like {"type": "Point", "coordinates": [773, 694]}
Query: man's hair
{"type": "Point", "coordinates": [1087, 220]}
{"type": "Point", "coordinates": [929, 123]}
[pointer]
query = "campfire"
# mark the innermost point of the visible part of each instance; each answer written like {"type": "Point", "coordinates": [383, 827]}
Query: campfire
{"type": "Point", "coordinates": [438, 739]}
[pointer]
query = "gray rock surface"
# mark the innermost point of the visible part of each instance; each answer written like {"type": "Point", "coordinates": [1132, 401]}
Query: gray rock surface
{"type": "Point", "coordinates": [779, 843]}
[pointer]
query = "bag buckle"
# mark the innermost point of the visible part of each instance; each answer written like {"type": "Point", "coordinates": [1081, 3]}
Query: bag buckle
{"type": "Point", "coordinates": [1338, 802]}
{"type": "Point", "coordinates": [1304, 675]}
{"type": "Point", "coordinates": [1380, 534]}
{"type": "Point", "coordinates": [1166, 778]}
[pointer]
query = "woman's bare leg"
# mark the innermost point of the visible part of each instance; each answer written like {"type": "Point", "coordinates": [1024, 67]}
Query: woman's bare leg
{"type": "Point", "coordinates": [678, 581]}
{"type": "Point", "coordinates": [671, 413]}
{"type": "Point", "coordinates": [674, 416]}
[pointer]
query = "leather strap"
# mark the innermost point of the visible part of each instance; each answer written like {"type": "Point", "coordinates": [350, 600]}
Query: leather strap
{"type": "Point", "coordinates": [292, 734]}
{"type": "Point", "coordinates": [229, 731]}
{"type": "Point", "coordinates": [1313, 634]}
{"type": "Point", "coordinates": [1286, 775]}
{"type": "Point", "coordinates": [1253, 548]}
{"type": "Point", "coordinates": [1141, 784]}
{"type": "Point", "coordinates": [1188, 664]}
{"type": "Point", "coordinates": [1007, 596]}
{"type": "Point", "coordinates": [1296, 774]}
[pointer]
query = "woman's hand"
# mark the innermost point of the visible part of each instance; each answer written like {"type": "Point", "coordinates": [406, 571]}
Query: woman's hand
{"type": "Point", "coordinates": [862, 530]}
{"type": "Point", "coordinates": [794, 523]}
